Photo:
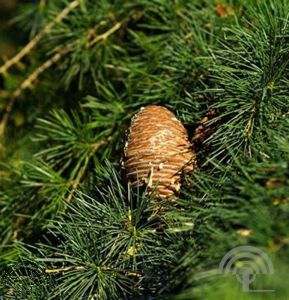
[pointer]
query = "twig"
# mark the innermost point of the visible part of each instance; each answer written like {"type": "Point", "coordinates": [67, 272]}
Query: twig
{"type": "Point", "coordinates": [34, 75]}
{"type": "Point", "coordinates": [24, 51]}
{"type": "Point", "coordinates": [81, 172]}
{"type": "Point", "coordinates": [42, 4]}
{"type": "Point", "coordinates": [28, 83]}
{"type": "Point", "coordinates": [77, 268]}
{"type": "Point", "coordinates": [76, 182]}
{"type": "Point", "coordinates": [98, 268]}
{"type": "Point", "coordinates": [105, 35]}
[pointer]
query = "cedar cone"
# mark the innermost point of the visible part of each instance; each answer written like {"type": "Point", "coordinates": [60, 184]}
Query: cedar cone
{"type": "Point", "coordinates": [157, 151]}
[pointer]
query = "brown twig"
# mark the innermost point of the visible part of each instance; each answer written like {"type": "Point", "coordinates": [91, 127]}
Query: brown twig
{"type": "Point", "coordinates": [105, 35]}
{"type": "Point", "coordinates": [65, 269]}
{"type": "Point", "coordinates": [42, 4]}
{"type": "Point", "coordinates": [25, 50]}
{"type": "Point", "coordinates": [98, 268]}
{"type": "Point", "coordinates": [27, 83]}
{"type": "Point", "coordinates": [76, 182]}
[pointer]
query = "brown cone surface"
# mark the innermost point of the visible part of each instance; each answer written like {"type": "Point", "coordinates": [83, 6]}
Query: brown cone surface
{"type": "Point", "coordinates": [157, 151]}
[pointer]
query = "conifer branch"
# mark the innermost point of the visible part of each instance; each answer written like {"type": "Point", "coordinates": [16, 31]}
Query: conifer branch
{"type": "Point", "coordinates": [59, 270]}
{"type": "Point", "coordinates": [25, 50]}
{"type": "Point", "coordinates": [27, 83]}
{"type": "Point", "coordinates": [83, 233]}
{"type": "Point", "coordinates": [105, 35]}
{"type": "Point", "coordinates": [42, 4]}
{"type": "Point", "coordinates": [76, 182]}
{"type": "Point", "coordinates": [82, 268]}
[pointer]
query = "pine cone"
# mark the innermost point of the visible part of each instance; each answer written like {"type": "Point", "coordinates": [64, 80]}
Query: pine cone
{"type": "Point", "coordinates": [157, 152]}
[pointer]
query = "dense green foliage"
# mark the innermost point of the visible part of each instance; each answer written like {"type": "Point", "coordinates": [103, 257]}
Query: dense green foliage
{"type": "Point", "coordinates": [71, 227]}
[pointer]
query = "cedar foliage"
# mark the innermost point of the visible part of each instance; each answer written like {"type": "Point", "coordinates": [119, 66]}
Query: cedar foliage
{"type": "Point", "coordinates": [71, 227]}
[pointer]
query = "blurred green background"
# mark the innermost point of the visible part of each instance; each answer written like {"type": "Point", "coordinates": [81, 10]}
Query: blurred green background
{"type": "Point", "coordinates": [9, 38]}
